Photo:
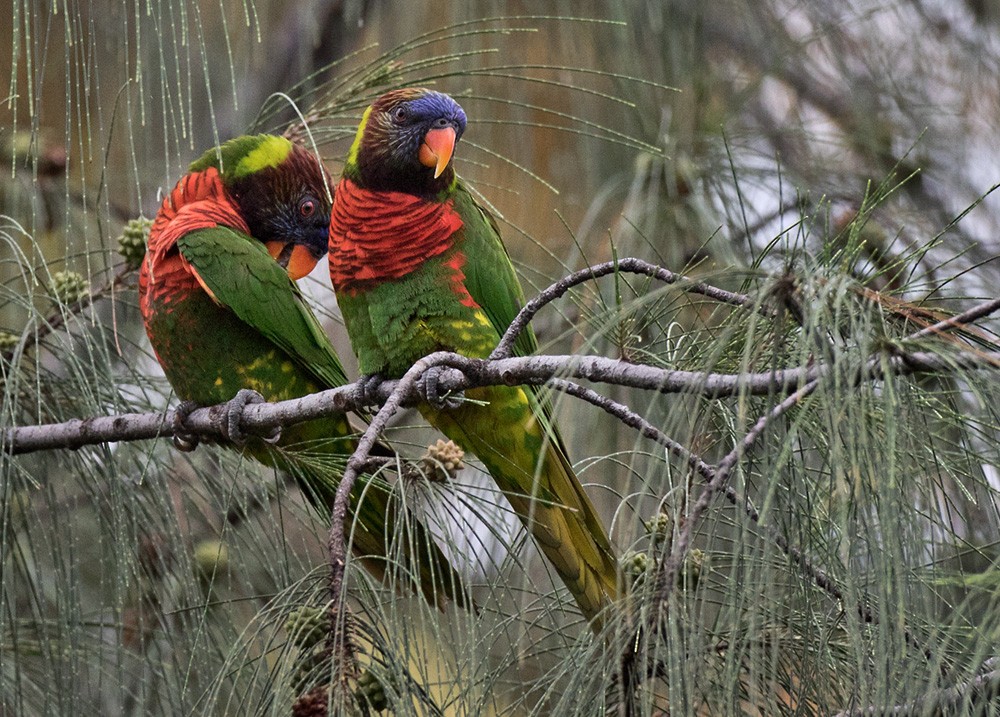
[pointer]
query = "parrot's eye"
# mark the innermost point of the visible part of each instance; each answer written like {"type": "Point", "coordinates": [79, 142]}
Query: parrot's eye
{"type": "Point", "coordinates": [400, 114]}
{"type": "Point", "coordinates": [307, 207]}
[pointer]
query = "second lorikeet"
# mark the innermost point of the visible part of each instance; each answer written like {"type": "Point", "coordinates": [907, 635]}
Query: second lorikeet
{"type": "Point", "coordinates": [223, 314]}
{"type": "Point", "coordinates": [419, 266]}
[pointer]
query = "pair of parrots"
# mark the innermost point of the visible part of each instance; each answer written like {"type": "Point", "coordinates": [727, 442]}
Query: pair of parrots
{"type": "Point", "coordinates": [418, 266]}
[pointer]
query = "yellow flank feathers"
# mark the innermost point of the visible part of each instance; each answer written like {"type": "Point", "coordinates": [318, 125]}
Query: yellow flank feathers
{"type": "Point", "coordinates": [263, 361]}
{"type": "Point", "coordinates": [271, 152]}
{"type": "Point", "coordinates": [474, 342]}
{"type": "Point", "coordinates": [352, 154]}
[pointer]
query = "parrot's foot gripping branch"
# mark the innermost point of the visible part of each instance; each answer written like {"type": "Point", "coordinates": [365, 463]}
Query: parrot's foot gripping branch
{"type": "Point", "coordinates": [368, 390]}
{"type": "Point", "coordinates": [227, 420]}
{"type": "Point", "coordinates": [183, 439]}
{"type": "Point", "coordinates": [231, 429]}
{"type": "Point", "coordinates": [430, 385]}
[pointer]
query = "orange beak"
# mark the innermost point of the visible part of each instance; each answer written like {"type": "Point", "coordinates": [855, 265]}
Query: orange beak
{"type": "Point", "coordinates": [296, 259]}
{"type": "Point", "coordinates": [437, 149]}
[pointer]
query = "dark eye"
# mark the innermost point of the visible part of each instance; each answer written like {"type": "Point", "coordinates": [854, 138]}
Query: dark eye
{"type": "Point", "coordinates": [307, 207]}
{"type": "Point", "coordinates": [400, 114]}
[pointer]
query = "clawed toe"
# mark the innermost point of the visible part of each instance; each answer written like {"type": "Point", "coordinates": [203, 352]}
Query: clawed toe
{"type": "Point", "coordinates": [431, 385]}
{"type": "Point", "coordinates": [183, 439]}
{"type": "Point", "coordinates": [232, 431]}
{"type": "Point", "coordinates": [368, 386]}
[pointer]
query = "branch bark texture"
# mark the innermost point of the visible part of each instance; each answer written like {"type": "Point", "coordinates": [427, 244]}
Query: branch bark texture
{"type": "Point", "coordinates": [462, 373]}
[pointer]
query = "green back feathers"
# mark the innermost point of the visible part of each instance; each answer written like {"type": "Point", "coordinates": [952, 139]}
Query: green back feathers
{"type": "Point", "coordinates": [243, 156]}
{"type": "Point", "coordinates": [489, 274]}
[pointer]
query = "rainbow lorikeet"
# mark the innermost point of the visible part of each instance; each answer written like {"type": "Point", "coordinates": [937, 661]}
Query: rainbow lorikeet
{"type": "Point", "coordinates": [419, 266]}
{"type": "Point", "coordinates": [223, 314]}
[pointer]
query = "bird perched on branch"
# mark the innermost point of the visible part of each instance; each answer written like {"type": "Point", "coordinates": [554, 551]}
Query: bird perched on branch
{"type": "Point", "coordinates": [224, 315]}
{"type": "Point", "coordinates": [419, 266]}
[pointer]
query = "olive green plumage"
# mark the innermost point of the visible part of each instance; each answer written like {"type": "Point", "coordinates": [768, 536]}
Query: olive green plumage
{"type": "Point", "coordinates": [223, 314]}
{"type": "Point", "coordinates": [418, 267]}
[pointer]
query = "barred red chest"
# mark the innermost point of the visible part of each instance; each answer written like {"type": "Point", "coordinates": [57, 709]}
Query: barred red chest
{"type": "Point", "coordinates": [383, 236]}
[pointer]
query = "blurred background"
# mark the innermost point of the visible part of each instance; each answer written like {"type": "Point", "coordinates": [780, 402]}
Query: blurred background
{"type": "Point", "coordinates": [728, 140]}
{"type": "Point", "coordinates": [787, 105]}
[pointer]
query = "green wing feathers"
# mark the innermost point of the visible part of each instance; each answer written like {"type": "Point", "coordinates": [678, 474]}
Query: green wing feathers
{"type": "Point", "coordinates": [489, 273]}
{"type": "Point", "coordinates": [515, 435]}
{"type": "Point", "coordinates": [296, 354]}
{"type": "Point", "coordinates": [241, 275]}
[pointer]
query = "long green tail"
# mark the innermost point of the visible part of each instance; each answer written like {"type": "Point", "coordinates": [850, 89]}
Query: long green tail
{"type": "Point", "coordinates": [508, 439]}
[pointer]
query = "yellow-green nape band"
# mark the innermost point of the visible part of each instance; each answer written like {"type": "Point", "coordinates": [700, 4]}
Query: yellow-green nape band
{"type": "Point", "coordinates": [271, 151]}
{"type": "Point", "coordinates": [352, 154]}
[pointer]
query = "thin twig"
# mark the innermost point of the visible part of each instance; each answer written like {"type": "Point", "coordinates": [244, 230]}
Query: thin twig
{"type": "Point", "coordinates": [632, 419]}
{"type": "Point", "coordinates": [666, 576]}
{"type": "Point", "coordinates": [875, 367]}
{"type": "Point", "coordinates": [336, 543]}
{"type": "Point", "coordinates": [629, 265]}
{"type": "Point", "coordinates": [959, 320]}
{"type": "Point", "coordinates": [979, 691]}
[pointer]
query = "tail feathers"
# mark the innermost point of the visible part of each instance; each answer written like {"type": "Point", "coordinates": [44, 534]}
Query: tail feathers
{"type": "Point", "coordinates": [587, 568]}
{"type": "Point", "coordinates": [551, 503]}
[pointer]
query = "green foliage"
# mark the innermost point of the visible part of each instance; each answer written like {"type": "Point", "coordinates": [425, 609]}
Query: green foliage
{"type": "Point", "coordinates": [132, 242]}
{"type": "Point", "coordinates": [852, 564]}
{"type": "Point", "coordinates": [68, 287]}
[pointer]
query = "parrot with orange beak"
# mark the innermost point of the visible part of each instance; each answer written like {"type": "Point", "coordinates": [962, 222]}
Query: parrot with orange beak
{"type": "Point", "coordinates": [225, 318]}
{"type": "Point", "coordinates": [419, 266]}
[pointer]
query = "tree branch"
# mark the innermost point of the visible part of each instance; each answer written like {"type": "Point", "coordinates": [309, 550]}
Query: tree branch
{"type": "Point", "coordinates": [667, 576]}
{"type": "Point", "coordinates": [874, 368]}
{"type": "Point", "coordinates": [463, 373]}
{"type": "Point", "coordinates": [628, 265]}
{"type": "Point", "coordinates": [645, 428]}
{"type": "Point", "coordinates": [336, 543]}
{"type": "Point", "coordinates": [959, 320]}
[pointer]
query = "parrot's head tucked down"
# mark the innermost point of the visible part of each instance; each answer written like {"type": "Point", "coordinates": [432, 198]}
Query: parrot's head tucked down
{"type": "Point", "coordinates": [282, 191]}
{"type": "Point", "coordinates": [405, 142]}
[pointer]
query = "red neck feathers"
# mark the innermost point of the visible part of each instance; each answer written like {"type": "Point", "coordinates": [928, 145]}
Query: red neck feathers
{"type": "Point", "coordinates": [199, 201]}
{"type": "Point", "coordinates": [383, 236]}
